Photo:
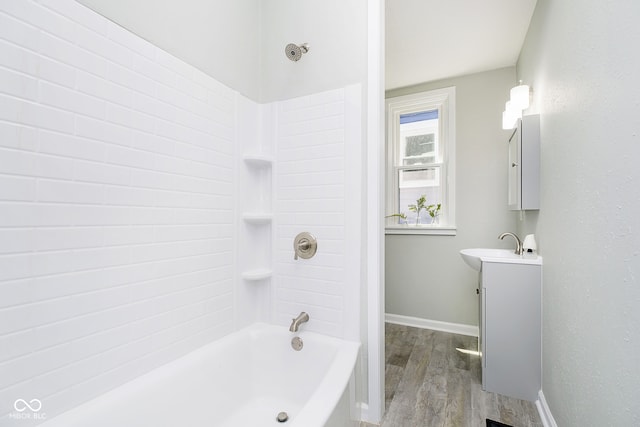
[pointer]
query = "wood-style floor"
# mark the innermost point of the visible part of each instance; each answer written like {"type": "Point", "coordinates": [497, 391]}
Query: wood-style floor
{"type": "Point", "coordinates": [431, 382]}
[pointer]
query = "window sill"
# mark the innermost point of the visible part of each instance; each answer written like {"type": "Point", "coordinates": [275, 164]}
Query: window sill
{"type": "Point", "coordinates": [449, 230]}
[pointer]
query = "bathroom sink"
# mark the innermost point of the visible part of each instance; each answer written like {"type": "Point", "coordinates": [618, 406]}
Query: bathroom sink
{"type": "Point", "coordinates": [474, 257]}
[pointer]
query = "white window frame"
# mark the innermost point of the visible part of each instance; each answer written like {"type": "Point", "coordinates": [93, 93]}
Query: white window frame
{"type": "Point", "coordinates": [442, 100]}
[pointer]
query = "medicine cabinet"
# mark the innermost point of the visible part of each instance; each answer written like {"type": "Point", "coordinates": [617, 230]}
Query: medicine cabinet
{"type": "Point", "coordinates": [524, 165]}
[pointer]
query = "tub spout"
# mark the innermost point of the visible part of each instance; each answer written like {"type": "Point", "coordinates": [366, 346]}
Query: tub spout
{"type": "Point", "coordinates": [295, 323]}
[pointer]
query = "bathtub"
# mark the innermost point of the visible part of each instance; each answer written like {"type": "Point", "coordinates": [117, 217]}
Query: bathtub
{"type": "Point", "coordinates": [242, 380]}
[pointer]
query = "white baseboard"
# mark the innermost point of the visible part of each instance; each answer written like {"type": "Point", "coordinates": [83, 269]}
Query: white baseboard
{"type": "Point", "coordinates": [416, 322]}
{"type": "Point", "coordinates": [544, 411]}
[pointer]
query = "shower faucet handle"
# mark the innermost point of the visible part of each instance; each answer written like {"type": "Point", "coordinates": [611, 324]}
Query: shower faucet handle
{"type": "Point", "coordinates": [305, 245]}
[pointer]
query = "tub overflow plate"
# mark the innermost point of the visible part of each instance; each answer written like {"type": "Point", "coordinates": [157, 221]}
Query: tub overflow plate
{"type": "Point", "coordinates": [296, 343]}
{"type": "Point", "coordinates": [282, 417]}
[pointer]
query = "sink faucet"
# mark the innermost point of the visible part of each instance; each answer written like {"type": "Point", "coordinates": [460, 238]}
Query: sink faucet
{"type": "Point", "coordinates": [295, 323]}
{"type": "Point", "coordinates": [518, 250]}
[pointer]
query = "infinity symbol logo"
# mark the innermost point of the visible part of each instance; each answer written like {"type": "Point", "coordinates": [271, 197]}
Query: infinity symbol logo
{"type": "Point", "coordinates": [21, 405]}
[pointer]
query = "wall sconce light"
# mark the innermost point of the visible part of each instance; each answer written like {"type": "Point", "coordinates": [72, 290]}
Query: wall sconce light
{"type": "Point", "coordinates": [518, 101]}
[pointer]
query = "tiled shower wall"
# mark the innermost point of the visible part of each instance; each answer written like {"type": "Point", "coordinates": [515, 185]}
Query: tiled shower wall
{"type": "Point", "coordinates": [318, 178]}
{"type": "Point", "coordinates": [116, 205]}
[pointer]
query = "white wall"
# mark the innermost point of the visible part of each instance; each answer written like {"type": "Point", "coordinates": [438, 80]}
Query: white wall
{"type": "Point", "coordinates": [336, 31]}
{"type": "Point", "coordinates": [582, 62]}
{"type": "Point", "coordinates": [116, 206]}
{"type": "Point", "coordinates": [219, 37]}
{"type": "Point", "coordinates": [241, 43]}
{"type": "Point", "coordinates": [425, 276]}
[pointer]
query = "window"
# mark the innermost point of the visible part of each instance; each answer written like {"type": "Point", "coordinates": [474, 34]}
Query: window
{"type": "Point", "coordinates": [420, 161]}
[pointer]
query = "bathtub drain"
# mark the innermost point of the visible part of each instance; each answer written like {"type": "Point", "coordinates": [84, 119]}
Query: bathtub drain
{"type": "Point", "coordinates": [282, 417]}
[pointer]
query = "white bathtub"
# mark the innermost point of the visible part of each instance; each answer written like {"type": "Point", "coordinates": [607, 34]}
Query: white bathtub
{"type": "Point", "coordinates": [243, 380]}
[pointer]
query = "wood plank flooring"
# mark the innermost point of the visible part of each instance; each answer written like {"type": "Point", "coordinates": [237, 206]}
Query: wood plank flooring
{"type": "Point", "coordinates": [429, 382]}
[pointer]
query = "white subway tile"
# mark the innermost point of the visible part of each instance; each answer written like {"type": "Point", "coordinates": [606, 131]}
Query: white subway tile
{"type": "Point", "coordinates": [101, 173]}
{"type": "Point", "coordinates": [71, 146]}
{"type": "Point", "coordinates": [15, 292]}
{"type": "Point", "coordinates": [130, 118]}
{"type": "Point", "coordinates": [70, 192]}
{"type": "Point", "coordinates": [41, 18]}
{"type": "Point", "coordinates": [63, 285]}
{"type": "Point", "coordinates": [13, 135]}
{"type": "Point", "coordinates": [191, 88]}
{"type": "Point", "coordinates": [57, 72]}
{"type": "Point", "coordinates": [17, 162]}
{"type": "Point", "coordinates": [43, 263]}
{"type": "Point", "coordinates": [53, 167]}
{"type": "Point", "coordinates": [99, 215]}
{"type": "Point", "coordinates": [28, 113]}
{"type": "Point", "coordinates": [47, 239]}
{"type": "Point", "coordinates": [104, 89]}
{"type": "Point", "coordinates": [71, 100]}
{"type": "Point", "coordinates": [153, 143]}
{"type": "Point", "coordinates": [18, 58]}
{"type": "Point", "coordinates": [152, 179]}
{"type": "Point", "coordinates": [17, 188]}
{"type": "Point", "coordinates": [154, 71]}
{"type": "Point", "coordinates": [77, 13]}
{"type": "Point", "coordinates": [18, 84]}
{"type": "Point", "coordinates": [70, 54]}
{"type": "Point", "coordinates": [153, 216]}
{"type": "Point", "coordinates": [171, 164]}
{"type": "Point", "coordinates": [101, 257]}
{"type": "Point", "coordinates": [128, 235]}
{"type": "Point", "coordinates": [154, 107]}
{"type": "Point", "coordinates": [125, 156]}
{"type": "Point", "coordinates": [147, 236]}
{"type": "Point", "coordinates": [16, 31]}
{"type": "Point", "coordinates": [103, 131]}
{"type": "Point", "coordinates": [16, 344]}
{"type": "Point", "coordinates": [16, 240]}
{"type": "Point", "coordinates": [129, 196]}
{"type": "Point", "coordinates": [130, 79]}
{"type": "Point", "coordinates": [99, 44]}
{"type": "Point", "coordinates": [15, 214]}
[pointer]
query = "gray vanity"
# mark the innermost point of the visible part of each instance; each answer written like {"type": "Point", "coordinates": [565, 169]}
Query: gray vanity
{"type": "Point", "coordinates": [510, 307]}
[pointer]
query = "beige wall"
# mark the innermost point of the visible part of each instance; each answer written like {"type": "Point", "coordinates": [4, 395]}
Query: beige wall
{"type": "Point", "coordinates": [582, 61]}
{"type": "Point", "coordinates": [425, 276]}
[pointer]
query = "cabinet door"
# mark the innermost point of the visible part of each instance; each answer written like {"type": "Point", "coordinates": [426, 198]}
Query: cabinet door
{"type": "Point", "coordinates": [515, 171]}
{"type": "Point", "coordinates": [524, 165]}
{"type": "Point", "coordinates": [512, 329]}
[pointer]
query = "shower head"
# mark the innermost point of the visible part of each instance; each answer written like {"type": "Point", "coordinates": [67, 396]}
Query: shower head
{"type": "Point", "coordinates": [295, 52]}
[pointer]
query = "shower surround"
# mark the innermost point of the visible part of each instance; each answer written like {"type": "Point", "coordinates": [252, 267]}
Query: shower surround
{"type": "Point", "coordinates": [119, 216]}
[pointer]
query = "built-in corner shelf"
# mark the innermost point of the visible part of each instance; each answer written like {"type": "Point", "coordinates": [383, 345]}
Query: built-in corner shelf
{"type": "Point", "coordinates": [257, 218]}
{"type": "Point", "coordinates": [257, 274]}
{"type": "Point", "coordinates": [258, 160]}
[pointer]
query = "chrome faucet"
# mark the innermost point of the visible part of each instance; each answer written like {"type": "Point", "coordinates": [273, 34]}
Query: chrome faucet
{"type": "Point", "coordinates": [295, 323]}
{"type": "Point", "coordinates": [518, 250]}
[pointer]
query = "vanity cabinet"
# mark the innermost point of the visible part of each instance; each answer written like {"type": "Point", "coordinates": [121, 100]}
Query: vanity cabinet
{"type": "Point", "coordinates": [510, 338]}
{"type": "Point", "coordinates": [524, 165]}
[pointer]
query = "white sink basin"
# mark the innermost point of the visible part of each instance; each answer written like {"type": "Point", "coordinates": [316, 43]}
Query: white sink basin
{"type": "Point", "coordinates": [474, 257]}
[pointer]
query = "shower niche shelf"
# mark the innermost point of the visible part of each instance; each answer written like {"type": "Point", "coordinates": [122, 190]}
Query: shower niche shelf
{"type": "Point", "coordinates": [257, 274]}
{"type": "Point", "coordinates": [258, 160]}
{"type": "Point", "coordinates": [257, 218]}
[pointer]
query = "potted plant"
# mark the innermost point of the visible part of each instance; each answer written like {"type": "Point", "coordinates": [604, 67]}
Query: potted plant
{"type": "Point", "coordinates": [418, 207]}
{"type": "Point", "coordinates": [434, 212]}
{"type": "Point", "coordinates": [402, 217]}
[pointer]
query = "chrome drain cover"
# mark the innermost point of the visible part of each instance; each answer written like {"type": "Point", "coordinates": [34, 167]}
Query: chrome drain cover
{"type": "Point", "coordinates": [282, 417]}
